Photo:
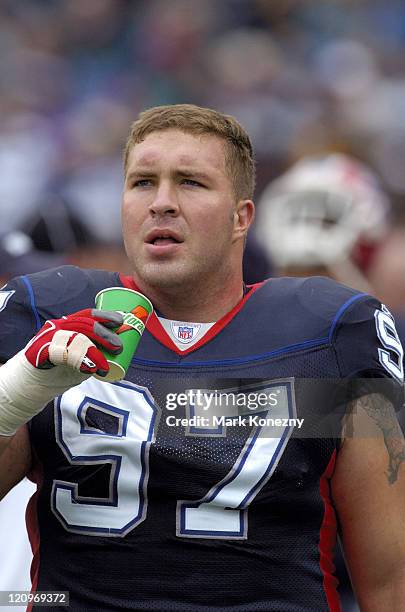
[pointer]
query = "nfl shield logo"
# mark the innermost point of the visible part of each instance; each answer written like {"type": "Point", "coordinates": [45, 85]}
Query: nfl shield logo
{"type": "Point", "coordinates": [185, 333]}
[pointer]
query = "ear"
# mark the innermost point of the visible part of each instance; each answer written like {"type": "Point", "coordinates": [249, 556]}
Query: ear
{"type": "Point", "coordinates": [243, 216]}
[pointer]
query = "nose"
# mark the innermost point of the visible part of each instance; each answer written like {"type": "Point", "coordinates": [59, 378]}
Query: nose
{"type": "Point", "coordinates": [164, 201]}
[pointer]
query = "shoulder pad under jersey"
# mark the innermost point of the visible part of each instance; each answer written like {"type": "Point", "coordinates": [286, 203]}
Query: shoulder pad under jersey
{"type": "Point", "coordinates": [26, 302]}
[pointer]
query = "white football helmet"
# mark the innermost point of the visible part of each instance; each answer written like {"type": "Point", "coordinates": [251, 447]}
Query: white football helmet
{"type": "Point", "coordinates": [322, 211]}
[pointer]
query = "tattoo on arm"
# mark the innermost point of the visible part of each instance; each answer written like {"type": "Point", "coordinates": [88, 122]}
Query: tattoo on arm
{"type": "Point", "coordinates": [382, 412]}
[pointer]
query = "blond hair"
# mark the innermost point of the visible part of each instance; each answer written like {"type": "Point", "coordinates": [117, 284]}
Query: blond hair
{"type": "Point", "coordinates": [239, 160]}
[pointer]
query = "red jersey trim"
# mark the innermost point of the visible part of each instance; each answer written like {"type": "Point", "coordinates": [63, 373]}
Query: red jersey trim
{"type": "Point", "coordinates": [31, 520]}
{"type": "Point", "coordinates": [157, 330]}
{"type": "Point", "coordinates": [128, 282]}
{"type": "Point", "coordinates": [327, 539]}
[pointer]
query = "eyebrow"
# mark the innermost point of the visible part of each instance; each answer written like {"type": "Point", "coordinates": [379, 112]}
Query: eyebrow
{"type": "Point", "coordinates": [139, 173]}
{"type": "Point", "coordinates": [146, 173]}
{"type": "Point", "coordinates": [193, 174]}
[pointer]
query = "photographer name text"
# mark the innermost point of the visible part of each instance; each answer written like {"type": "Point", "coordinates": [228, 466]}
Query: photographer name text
{"type": "Point", "coordinates": [251, 420]}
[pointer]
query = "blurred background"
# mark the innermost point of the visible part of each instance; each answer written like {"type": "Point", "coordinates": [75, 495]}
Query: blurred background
{"type": "Point", "coordinates": [305, 78]}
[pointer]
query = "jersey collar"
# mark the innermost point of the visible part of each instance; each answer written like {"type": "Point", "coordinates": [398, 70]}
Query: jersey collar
{"type": "Point", "coordinates": [159, 333]}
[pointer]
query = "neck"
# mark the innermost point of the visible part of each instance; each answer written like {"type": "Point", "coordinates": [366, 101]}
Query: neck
{"type": "Point", "coordinates": [202, 304]}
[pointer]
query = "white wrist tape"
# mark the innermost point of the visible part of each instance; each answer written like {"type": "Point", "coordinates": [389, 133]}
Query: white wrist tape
{"type": "Point", "coordinates": [25, 390]}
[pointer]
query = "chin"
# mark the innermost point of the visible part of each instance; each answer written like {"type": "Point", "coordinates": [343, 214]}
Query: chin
{"type": "Point", "coordinates": [165, 275]}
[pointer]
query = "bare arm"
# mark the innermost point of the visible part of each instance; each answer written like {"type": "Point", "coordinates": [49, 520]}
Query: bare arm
{"type": "Point", "coordinates": [368, 489]}
{"type": "Point", "coordinates": [15, 459]}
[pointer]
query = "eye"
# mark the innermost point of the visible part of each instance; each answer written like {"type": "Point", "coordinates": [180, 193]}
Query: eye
{"type": "Point", "coordinates": [141, 183]}
{"type": "Point", "coordinates": [192, 183]}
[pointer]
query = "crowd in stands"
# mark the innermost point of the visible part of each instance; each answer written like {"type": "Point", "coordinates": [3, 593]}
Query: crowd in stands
{"type": "Point", "coordinates": [303, 77]}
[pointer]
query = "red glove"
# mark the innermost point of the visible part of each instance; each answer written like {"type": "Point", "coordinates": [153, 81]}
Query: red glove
{"type": "Point", "coordinates": [73, 341]}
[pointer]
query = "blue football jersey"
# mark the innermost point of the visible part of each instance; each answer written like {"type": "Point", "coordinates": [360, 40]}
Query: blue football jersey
{"type": "Point", "coordinates": [202, 480]}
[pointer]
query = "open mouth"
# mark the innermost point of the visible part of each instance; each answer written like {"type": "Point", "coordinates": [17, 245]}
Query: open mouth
{"type": "Point", "coordinates": [162, 238]}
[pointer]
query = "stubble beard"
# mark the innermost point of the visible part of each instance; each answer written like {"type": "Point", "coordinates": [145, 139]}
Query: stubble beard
{"type": "Point", "coordinates": [165, 275]}
{"type": "Point", "coordinates": [186, 276]}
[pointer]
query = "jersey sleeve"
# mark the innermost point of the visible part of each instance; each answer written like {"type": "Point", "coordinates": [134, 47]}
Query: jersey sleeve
{"type": "Point", "coordinates": [368, 348]}
{"type": "Point", "coordinates": [19, 320]}
{"type": "Point", "coordinates": [26, 302]}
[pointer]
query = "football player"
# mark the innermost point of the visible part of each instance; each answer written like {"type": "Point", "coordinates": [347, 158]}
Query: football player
{"type": "Point", "coordinates": [326, 215]}
{"type": "Point", "coordinates": [138, 510]}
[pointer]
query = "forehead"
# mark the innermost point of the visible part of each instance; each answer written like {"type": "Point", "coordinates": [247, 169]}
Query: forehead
{"type": "Point", "coordinates": [180, 148]}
